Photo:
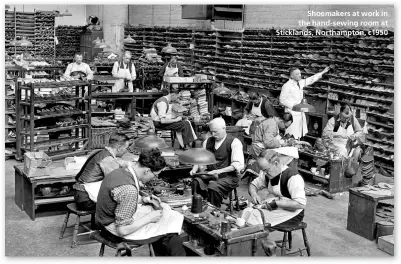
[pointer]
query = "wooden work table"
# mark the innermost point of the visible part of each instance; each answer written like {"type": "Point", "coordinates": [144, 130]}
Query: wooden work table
{"type": "Point", "coordinates": [362, 211]}
{"type": "Point", "coordinates": [27, 189]}
{"type": "Point", "coordinates": [245, 241]}
{"type": "Point", "coordinates": [337, 181]}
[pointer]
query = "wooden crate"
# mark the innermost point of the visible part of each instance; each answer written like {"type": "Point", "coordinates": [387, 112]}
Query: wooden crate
{"type": "Point", "coordinates": [386, 244]}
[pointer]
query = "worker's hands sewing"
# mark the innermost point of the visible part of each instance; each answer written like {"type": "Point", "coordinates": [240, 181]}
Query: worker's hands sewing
{"type": "Point", "coordinates": [256, 199]}
{"type": "Point", "coordinates": [270, 206]}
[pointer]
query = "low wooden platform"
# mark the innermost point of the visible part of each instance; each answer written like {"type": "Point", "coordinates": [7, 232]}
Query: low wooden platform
{"type": "Point", "coordinates": [386, 244]}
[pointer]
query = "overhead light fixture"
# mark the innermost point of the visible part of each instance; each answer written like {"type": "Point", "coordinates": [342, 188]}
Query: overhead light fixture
{"type": "Point", "coordinates": [303, 107]}
{"type": "Point", "coordinates": [197, 156]}
{"type": "Point", "coordinates": [97, 40]}
{"type": "Point", "coordinates": [24, 42]}
{"type": "Point", "coordinates": [129, 40]}
{"type": "Point", "coordinates": [151, 141]}
{"type": "Point", "coordinates": [66, 13]}
{"type": "Point", "coordinates": [102, 45]}
{"type": "Point", "coordinates": [169, 49]}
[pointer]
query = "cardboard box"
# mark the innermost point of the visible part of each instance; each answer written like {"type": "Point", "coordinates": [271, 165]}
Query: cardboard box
{"type": "Point", "coordinates": [36, 164]}
{"type": "Point", "coordinates": [74, 163]}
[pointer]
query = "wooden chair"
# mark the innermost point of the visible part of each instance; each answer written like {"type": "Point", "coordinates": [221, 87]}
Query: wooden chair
{"type": "Point", "coordinates": [122, 249]}
{"type": "Point", "coordinates": [172, 135]}
{"type": "Point", "coordinates": [72, 209]}
{"type": "Point", "coordinates": [287, 237]}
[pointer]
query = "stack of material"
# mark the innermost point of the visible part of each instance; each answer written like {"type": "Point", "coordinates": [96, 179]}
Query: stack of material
{"type": "Point", "coordinates": [185, 96]}
{"type": "Point", "coordinates": [202, 101]}
{"type": "Point", "coordinates": [194, 108]}
{"type": "Point", "coordinates": [367, 167]}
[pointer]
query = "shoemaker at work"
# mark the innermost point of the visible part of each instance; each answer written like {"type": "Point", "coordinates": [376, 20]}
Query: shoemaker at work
{"type": "Point", "coordinates": [286, 200]}
{"type": "Point", "coordinates": [259, 106]}
{"type": "Point", "coordinates": [292, 94]}
{"type": "Point", "coordinates": [79, 66]}
{"type": "Point", "coordinates": [162, 120]}
{"type": "Point", "coordinates": [172, 68]}
{"type": "Point", "coordinates": [124, 71]}
{"type": "Point", "coordinates": [344, 129]}
{"type": "Point", "coordinates": [98, 165]}
{"type": "Point", "coordinates": [220, 178]}
{"type": "Point", "coordinates": [267, 134]}
{"type": "Point", "coordinates": [124, 216]}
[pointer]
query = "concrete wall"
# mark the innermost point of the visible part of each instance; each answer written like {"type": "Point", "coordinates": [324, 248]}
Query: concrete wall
{"type": "Point", "coordinates": [78, 12]}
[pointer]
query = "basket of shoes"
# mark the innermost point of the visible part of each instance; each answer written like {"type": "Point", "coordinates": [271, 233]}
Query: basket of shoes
{"type": "Point", "coordinates": [101, 135]}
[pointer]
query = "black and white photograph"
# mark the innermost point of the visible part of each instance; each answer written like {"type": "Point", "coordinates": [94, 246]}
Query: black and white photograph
{"type": "Point", "coordinates": [144, 129]}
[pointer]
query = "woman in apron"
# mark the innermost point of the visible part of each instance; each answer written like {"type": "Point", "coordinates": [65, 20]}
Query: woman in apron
{"type": "Point", "coordinates": [172, 68]}
{"type": "Point", "coordinates": [126, 216]}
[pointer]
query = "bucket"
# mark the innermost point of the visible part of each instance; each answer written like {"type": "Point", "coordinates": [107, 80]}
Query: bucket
{"type": "Point", "coordinates": [237, 132]}
{"type": "Point", "coordinates": [384, 228]}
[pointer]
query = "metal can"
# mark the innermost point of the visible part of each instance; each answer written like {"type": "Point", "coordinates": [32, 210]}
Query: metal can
{"type": "Point", "coordinates": [225, 227]}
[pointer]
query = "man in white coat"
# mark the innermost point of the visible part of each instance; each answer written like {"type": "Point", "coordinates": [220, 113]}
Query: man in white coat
{"type": "Point", "coordinates": [124, 71]}
{"type": "Point", "coordinates": [291, 94]}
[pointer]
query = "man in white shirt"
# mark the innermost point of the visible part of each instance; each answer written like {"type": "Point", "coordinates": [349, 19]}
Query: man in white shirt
{"type": "Point", "coordinates": [291, 94]}
{"type": "Point", "coordinates": [220, 178]}
{"type": "Point", "coordinates": [79, 66]}
{"type": "Point", "coordinates": [124, 71]}
{"type": "Point", "coordinates": [285, 187]}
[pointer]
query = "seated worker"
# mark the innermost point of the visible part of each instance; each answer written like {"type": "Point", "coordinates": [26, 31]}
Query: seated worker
{"type": "Point", "coordinates": [342, 128]}
{"type": "Point", "coordinates": [172, 68]}
{"type": "Point", "coordinates": [163, 121]}
{"type": "Point", "coordinates": [223, 176]}
{"type": "Point", "coordinates": [267, 134]}
{"type": "Point", "coordinates": [98, 165]}
{"type": "Point", "coordinates": [284, 185]}
{"type": "Point", "coordinates": [259, 105]}
{"type": "Point", "coordinates": [124, 71]}
{"type": "Point", "coordinates": [123, 215]}
{"type": "Point", "coordinates": [79, 66]}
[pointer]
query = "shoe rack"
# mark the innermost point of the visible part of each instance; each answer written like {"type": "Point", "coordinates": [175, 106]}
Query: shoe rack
{"type": "Point", "coordinates": [41, 123]}
{"type": "Point", "coordinates": [68, 42]}
{"type": "Point", "coordinates": [181, 39]}
{"type": "Point", "coordinates": [10, 26]}
{"type": "Point", "coordinates": [10, 118]}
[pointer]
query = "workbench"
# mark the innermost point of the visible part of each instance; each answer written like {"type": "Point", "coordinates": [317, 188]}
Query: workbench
{"type": "Point", "coordinates": [362, 212]}
{"type": "Point", "coordinates": [337, 182]}
{"type": "Point", "coordinates": [27, 189]}
{"type": "Point", "coordinates": [245, 241]}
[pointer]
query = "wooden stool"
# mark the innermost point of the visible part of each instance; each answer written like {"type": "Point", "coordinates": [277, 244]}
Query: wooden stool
{"type": "Point", "coordinates": [230, 197]}
{"type": "Point", "coordinates": [172, 135]}
{"type": "Point", "coordinates": [287, 229]}
{"type": "Point", "coordinates": [122, 249]}
{"type": "Point", "coordinates": [72, 209]}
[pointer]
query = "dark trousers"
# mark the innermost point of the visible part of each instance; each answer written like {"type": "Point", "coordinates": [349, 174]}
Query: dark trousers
{"type": "Point", "coordinates": [165, 245]}
{"type": "Point", "coordinates": [212, 196]}
{"type": "Point", "coordinates": [83, 201]}
{"type": "Point", "coordinates": [296, 219]}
